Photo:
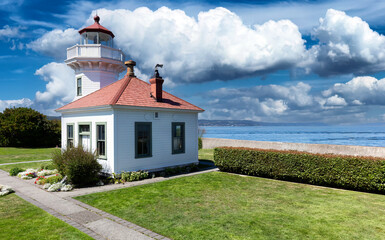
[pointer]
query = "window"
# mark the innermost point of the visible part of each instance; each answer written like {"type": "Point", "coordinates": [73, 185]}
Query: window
{"type": "Point", "coordinates": [101, 140]}
{"type": "Point", "coordinates": [178, 145]}
{"type": "Point", "coordinates": [85, 136]}
{"type": "Point", "coordinates": [70, 136]}
{"type": "Point", "coordinates": [143, 139]}
{"type": "Point", "coordinates": [79, 86]}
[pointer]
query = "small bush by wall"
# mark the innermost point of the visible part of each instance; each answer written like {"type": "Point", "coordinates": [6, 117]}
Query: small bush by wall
{"type": "Point", "coordinates": [81, 167]}
{"type": "Point", "coordinates": [349, 172]}
{"type": "Point", "coordinates": [199, 143]}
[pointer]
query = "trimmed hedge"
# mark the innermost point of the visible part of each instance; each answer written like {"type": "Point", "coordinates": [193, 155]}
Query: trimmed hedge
{"type": "Point", "coordinates": [349, 172]}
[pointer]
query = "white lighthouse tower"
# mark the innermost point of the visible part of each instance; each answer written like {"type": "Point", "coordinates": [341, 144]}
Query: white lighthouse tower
{"type": "Point", "coordinates": [95, 62]}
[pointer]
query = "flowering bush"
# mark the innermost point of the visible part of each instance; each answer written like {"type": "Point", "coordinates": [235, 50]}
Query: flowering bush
{"type": "Point", "coordinates": [27, 174]}
{"type": "Point", "coordinates": [44, 172]}
{"type": "Point", "coordinates": [40, 180]}
{"type": "Point", "coordinates": [59, 187]}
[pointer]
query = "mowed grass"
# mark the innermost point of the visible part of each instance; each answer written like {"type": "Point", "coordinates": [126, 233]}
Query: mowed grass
{"type": "Point", "coordinates": [206, 154]}
{"type": "Point", "coordinates": [220, 205]}
{"type": "Point", "coordinates": [22, 220]}
{"type": "Point", "coordinates": [25, 166]}
{"type": "Point", "coordinates": [11, 155]}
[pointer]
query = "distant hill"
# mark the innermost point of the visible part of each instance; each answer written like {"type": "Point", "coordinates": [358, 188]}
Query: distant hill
{"type": "Point", "coordinates": [240, 123]}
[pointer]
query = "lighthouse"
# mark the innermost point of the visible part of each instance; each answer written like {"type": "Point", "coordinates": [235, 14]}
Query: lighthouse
{"type": "Point", "coordinates": [95, 60]}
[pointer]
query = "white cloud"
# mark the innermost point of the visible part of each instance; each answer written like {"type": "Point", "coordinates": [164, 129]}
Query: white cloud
{"type": "Point", "coordinates": [360, 91]}
{"type": "Point", "coordinates": [60, 88]}
{"type": "Point", "coordinates": [24, 102]}
{"type": "Point", "coordinates": [347, 45]}
{"type": "Point", "coordinates": [10, 32]}
{"type": "Point", "coordinates": [335, 101]}
{"type": "Point", "coordinates": [342, 103]}
{"type": "Point", "coordinates": [267, 103]}
{"type": "Point", "coordinates": [55, 43]}
{"type": "Point", "coordinates": [216, 45]}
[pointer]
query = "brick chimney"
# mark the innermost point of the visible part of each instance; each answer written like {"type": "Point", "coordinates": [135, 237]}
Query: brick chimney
{"type": "Point", "coordinates": [156, 86]}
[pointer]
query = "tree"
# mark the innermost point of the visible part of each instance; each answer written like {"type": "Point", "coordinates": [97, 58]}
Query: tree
{"type": "Point", "coordinates": [25, 127]}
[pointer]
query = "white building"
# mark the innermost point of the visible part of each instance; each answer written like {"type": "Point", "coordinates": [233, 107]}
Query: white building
{"type": "Point", "coordinates": [131, 124]}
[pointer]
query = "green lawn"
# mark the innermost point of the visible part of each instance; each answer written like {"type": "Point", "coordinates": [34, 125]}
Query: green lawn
{"type": "Point", "coordinates": [22, 220]}
{"type": "Point", "coordinates": [220, 205]}
{"type": "Point", "coordinates": [25, 166]}
{"type": "Point", "coordinates": [11, 155]}
{"type": "Point", "coordinates": [206, 154]}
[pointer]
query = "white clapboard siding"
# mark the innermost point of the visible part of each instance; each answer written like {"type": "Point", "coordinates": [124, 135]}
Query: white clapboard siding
{"type": "Point", "coordinates": [93, 118]}
{"type": "Point", "coordinates": [161, 139]}
{"type": "Point", "coordinates": [120, 133]}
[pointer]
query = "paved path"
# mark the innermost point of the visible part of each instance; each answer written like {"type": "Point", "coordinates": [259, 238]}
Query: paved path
{"type": "Point", "coordinates": [26, 162]}
{"type": "Point", "coordinates": [92, 221]}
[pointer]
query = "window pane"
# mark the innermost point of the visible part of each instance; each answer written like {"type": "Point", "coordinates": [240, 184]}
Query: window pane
{"type": "Point", "coordinates": [70, 143]}
{"type": "Point", "coordinates": [178, 145]}
{"type": "Point", "coordinates": [178, 130]}
{"type": "Point", "coordinates": [101, 132]}
{"type": "Point", "coordinates": [70, 131]}
{"type": "Point", "coordinates": [101, 148]}
{"type": "Point", "coordinates": [84, 128]}
{"type": "Point", "coordinates": [79, 86]}
{"type": "Point", "coordinates": [143, 139]}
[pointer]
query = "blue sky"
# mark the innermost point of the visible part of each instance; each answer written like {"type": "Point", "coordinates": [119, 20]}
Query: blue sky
{"type": "Point", "coordinates": [272, 61]}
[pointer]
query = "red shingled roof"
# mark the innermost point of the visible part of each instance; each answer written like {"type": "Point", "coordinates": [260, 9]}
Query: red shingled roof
{"type": "Point", "coordinates": [129, 91]}
{"type": "Point", "coordinates": [96, 27]}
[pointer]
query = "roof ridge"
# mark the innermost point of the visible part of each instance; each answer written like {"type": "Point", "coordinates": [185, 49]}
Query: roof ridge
{"type": "Point", "coordinates": [121, 90]}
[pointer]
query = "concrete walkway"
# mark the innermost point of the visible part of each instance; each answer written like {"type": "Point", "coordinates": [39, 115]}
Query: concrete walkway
{"type": "Point", "coordinates": [26, 162]}
{"type": "Point", "coordinates": [92, 221]}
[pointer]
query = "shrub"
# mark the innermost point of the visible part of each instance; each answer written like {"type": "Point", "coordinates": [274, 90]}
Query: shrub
{"type": "Point", "coordinates": [80, 166]}
{"type": "Point", "coordinates": [14, 171]}
{"type": "Point", "coordinates": [25, 127]}
{"type": "Point", "coordinates": [131, 176]}
{"type": "Point", "coordinates": [357, 173]}
{"type": "Point", "coordinates": [199, 143]}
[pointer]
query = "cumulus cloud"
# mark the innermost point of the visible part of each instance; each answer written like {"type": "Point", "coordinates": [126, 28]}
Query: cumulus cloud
{"type": "Point", "coordinates": [346, 45]}
{"type": "Point", "coordinates": [55, 43]}
{"type": "Point", "coordinates": [342, 103]}
{"type": "Point", "coordinates": [259, 103]}
{"type": "Point", "coordinates": [60, 87]}
{"type": "Point", "coordinates": [24, 102]}
{"type": "Point", "coordinates": [335, 101]}
{"type": "Point", "coordinates": [360, 91]}
{"type": "Point", "coordinates": [216, 45]}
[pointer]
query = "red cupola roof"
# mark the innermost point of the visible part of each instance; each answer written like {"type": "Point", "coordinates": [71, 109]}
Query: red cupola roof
{"type": "Point", "coordinates": [96, 27]}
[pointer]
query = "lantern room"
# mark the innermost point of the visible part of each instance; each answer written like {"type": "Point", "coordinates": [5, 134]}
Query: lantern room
{"type": "Point", "coordinates": [96, 34]}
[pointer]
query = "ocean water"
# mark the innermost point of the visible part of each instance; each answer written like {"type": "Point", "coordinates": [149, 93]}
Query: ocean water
{"type": "Point", "coordinates": [361, 135]}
